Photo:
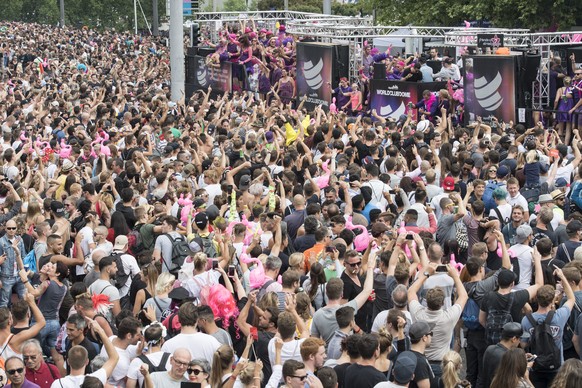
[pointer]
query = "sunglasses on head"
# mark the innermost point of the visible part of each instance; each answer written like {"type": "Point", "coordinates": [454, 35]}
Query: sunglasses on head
{"type": "Point", "coordinates": [13, 371]}
{"type": "Point", "coordinates": [195, 371]}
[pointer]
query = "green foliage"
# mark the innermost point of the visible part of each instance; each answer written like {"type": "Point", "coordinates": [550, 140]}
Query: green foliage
{"type": "Point", "coordinates": [532, 14]}
{"type": "Point", "coordinates": [235, 5]}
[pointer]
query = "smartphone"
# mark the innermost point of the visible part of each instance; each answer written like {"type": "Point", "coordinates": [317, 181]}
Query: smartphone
{"type": "Point", "coordinates": [229, 188]}
{"type": "Point", "coordinates": [330, 249]}
{"type": "Point", "coordinates": [214, 264]}
{"type": "Point", "coordinates": [392, 191]}
{"type": "Point", "coordinates": [231, 270]}
{"type": "Point", "coordinates": [441, 268]}
{"type": "Point", "coordinates": [409, 236]}
{"type": "Point", "coordinates": [531, 357]}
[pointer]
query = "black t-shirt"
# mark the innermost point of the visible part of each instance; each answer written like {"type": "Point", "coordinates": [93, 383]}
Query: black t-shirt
{"type": "Point", "coordinates": [340, 371]}
{"type": "Point", "coordinates": [383, 299]}
{"type": "Point", "coordinates": [128, 214]}
{"type": "Point", "coordinates": [548, 270]}
{"type": "Point", "coordinates": [491, 360]}
{"type": "Point", "coordinates": [422, 372]}
{"type": "Point", "coordinates": [351, 290]}
{"type": "Point", "coordinates": [91, 350]}
{"type": "Point", "coordinates": [493, 300]}
{"type": "Point", "coordinates": [363, 376]}
{"type": "Point", "coordinates": [538, 234]}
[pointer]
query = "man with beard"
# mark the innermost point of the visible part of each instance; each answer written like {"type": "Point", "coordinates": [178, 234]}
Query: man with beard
{"type": "Point", "coordinates": [108, 269]}
{"type": "Point", "coordinates": [267, 328]}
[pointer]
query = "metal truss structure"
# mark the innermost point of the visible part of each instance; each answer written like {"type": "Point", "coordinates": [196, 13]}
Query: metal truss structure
{"type": "Point", "coordinates": [354, 31]}
{"type": "Point", "coordinates": [523, 39]}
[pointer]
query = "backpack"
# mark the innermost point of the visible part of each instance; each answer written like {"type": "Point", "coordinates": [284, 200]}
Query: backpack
{"type": "Point", "coordinates": [532, 196]}
{"type": "Point", "coordinates": [180, 249]}
{"type": "Point", "coordinates": [470, 314]}
{"type": "Point", "coordinates": [165, 312]}
{"type": "Point", "coordinates": [263, 289]}
{"type": "Point", "coordinates": [121, 277]}
{"type": "Point", "coordinates": [207, 245]}
{"type": "Point", "coordinates": [495, 321]}
{"type": "Point", "coordinates": [502, 221]}
{"type": "Point", "coordinates": [542, 344]}
{"type": "Point", "coordinates": [134, 241]}
{"type": "Point", "coordinates": [488, 195]}
{"type": "Point", "coordinates": [152, 368]}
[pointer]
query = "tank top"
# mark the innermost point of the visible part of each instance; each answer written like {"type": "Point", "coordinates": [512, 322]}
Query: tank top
{"type": "Point", "coordinates": [50, 302]}
{"type": "Point", "coordinates": [6, 351]}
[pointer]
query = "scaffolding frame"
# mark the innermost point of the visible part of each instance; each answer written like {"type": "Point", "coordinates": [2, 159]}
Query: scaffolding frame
{"type": "Point", "coordinates": [354, 31]}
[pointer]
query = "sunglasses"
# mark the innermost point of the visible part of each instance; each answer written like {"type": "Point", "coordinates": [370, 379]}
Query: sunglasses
{"type": "Point", "coordinates": [14, 371]}
{"type": "Point", "coordinates": [10, 228]}
{"type": "Point", "coordinates": [195, 371]}
{"type": "Point", "coordinates": [354, 264]}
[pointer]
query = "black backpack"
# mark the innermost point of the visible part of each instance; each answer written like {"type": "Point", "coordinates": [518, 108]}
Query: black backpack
{"type": "Point", "coordinates": [152, 368]}
{"type": "Point", "coordinates": [495, 321]}
{"type": "Point", "coordinates": [542, 344]}
{"type": "Point", "coordinates": [121, 278]}
{"type": "Point", "coordinates": [180, 249]}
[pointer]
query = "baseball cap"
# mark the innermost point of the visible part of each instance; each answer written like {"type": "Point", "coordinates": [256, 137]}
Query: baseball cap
{"type": "Point", "coordinates": [201, 220]}
{"type": "Point", "coordinates": [206, 163]}
{"type": "Point", "coordinates": [58, 208]}
{"type": "Point", "coordinates": [522, 233]}
{"type": "Point", "coordinates": [449, 183]}
{"type": "Point", "coordinates": [198, 202]}
{"type": "Point", "coordinates": [561, 182]}
{"type": "Point", "coordinates": [505, 278]}
{"type": "Point", "coordinates": [179, 293]}
{"type": "Point", "coordinates": [573, 226]}
{"type": "Point", "coordinates": [404, 367]}
{"type": "Point", "coordinates": [245, 182]}
{"type": "Point", "coordinates": [269, 136]}
{"type": "Point", "coordinates": [511, 329]}
{"type": "Point", "coordinates": [504, 139]}
{"type": "Point", "coordinates": [545, 198]}
{"type": "Point", "coordinates": [120, 242]}
{"type": "Point", "coordinates": [503, 171]}
{"type": "Point", "coordinates": [418, 330]}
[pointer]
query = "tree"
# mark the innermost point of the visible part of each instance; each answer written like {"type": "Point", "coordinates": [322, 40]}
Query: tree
{"type": "Point", "coordinates": [235, 5]}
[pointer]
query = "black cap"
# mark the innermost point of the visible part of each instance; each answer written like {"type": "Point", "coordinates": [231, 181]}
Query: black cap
{"type": "Point", "coordinates": [511, 329]}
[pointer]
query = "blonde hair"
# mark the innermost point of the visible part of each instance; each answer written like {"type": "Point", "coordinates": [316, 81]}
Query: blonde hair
{"type": "Point", "coordinates": [296, 261]}
{"type": "Point", "coordinates": [165, 282]}
{"type": "Point", "coordinates": [248, 373]}
{"type": "Point", "coordinates": [200, 261]}
{"type": "Point", "coordinates": [531, 156]}
{"type": "Point", "coordinates": [451, 365]}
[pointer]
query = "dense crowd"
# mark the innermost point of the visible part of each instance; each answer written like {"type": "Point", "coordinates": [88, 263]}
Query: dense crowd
{"type": "Point", "coordinates": [233, 241]}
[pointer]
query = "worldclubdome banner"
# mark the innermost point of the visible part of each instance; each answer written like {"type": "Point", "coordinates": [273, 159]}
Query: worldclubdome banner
{"type": "Point", "coordinates": [390, 98]}
{"type": "Point", "coordinates": [489, 84]}
{"type": "Point", "coordinates": [314, 74]}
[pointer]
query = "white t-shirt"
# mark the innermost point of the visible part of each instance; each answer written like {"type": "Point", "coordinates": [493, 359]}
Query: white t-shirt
{"type": "Point", "coordinates": [504, 210]}
{"type": "Point", "coordinates": [76, 381]}
{"type": "Point", "coordinates": [524, 258]}
{"type": "Point", "coordinates": [378, 190]}
{"type": "Point", "coordinates": [518, 200]}
{"type": "Point", "coordinates": [131, 268]}
{"type": "Point", "coordinates": [200, 345]}
{"type": "Point", "coordinates": [213, 191]}
{"type": "Point", "coordinates": [117, 378]}
{"type": "Point", "coordinates": [290, 350]}
{"type": "Point", "coordinates": [155, 359]}
{"type": "Point", "coordinates": [87, 240]}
